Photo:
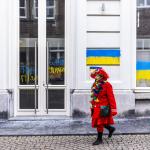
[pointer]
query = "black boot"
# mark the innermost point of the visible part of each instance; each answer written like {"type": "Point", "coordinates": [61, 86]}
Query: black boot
{"type": "Point", "coordinates": [111, 130]}
{"type": "Point", "coordinates": [99, 139]}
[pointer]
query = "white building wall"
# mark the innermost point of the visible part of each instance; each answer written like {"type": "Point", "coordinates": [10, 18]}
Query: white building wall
{"type": "Point", "coordinates": [92, 28]}
{"type": "Point", "coordinates": [110, 28]}
{"type": "Point", "coordinates": [4, 59]}
{"type": "Point", "coordinates": [5, 92]}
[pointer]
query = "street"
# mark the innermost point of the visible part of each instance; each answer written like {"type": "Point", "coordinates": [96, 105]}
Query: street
{"type": "Point", "coordinates": [82, 142]}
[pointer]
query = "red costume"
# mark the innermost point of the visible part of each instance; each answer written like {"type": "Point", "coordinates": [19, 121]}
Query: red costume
{"type": "Point", "coordinates": [102, 95]}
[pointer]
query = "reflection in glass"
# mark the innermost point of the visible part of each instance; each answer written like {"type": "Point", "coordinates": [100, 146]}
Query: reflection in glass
{"type": "Point", "coordinates": [22, 3]}
{"type": "Point", "coordinates": [23, 9]}
{"type": "Point", "coordinates": [148, 2]}
{"type": "Point", "coordinates": [55, 99]}
{"type": "Point", "coordinates": [50, 13]}
{"type": "Point", "coordinates": [28, 42]}
{"type": "Point", "coordinates": [27, 66]}
{"type": "Point", "coordinates": [56, 67]}
{"type": "Point", "coordinates": [28, 47]}
{"type": "Point", "coordinates": [143, 45]}
{"type": "Point", "coordinates": [27, 99]}
{"type": "Point", "coordinates": [50, 2]}
{"type": "Point", "coordinates": [140, 2]}
{"type": "Point", "coordinates": [55, 39]}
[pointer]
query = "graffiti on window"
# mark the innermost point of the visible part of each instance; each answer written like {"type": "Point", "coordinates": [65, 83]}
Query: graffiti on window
{"type": "Point", "coordinates": [55, 72]}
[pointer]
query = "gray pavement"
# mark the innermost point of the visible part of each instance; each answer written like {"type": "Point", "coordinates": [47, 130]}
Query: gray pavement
{"type": "Point", "coordinates": [117, 142]}
{"type": "Point", "coordinates": [69, 126]}
{"type": "Point", "coordinates": [72, 134]}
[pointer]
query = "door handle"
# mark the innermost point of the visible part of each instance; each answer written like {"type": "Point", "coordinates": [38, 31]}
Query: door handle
{"type": "Point", "coordinates": [35, 74]}
{"type": "Point", "coordinates": [47, 76]}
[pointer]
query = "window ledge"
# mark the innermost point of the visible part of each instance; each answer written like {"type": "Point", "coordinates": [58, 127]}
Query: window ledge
{"type": "Point", "coordinates": [142, 90]}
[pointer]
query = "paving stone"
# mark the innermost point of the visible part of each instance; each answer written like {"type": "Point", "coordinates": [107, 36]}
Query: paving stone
{"type": "Point", "coordinates": [118, 142]}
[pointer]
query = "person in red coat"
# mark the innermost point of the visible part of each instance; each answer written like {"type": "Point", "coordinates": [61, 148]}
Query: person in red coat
{"type": "Point", "coordinates": [103, 104]}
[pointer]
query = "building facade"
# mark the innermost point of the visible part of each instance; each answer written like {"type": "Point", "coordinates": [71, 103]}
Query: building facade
{"type": "Point", "coordinates": [48, 48]}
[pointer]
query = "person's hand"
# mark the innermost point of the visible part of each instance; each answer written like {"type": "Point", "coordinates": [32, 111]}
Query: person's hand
{"type": "Point", "coordinates": [114, 113]}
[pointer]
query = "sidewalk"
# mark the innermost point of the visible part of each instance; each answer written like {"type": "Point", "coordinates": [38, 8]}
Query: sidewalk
{"type": "Point", "coordinates": [117, 142]}
{"type": "Point", "coordinates": [69, 126]}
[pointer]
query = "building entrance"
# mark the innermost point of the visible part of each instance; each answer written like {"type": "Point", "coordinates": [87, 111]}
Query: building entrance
{"type": "Point", "coordinates": [41, 58]}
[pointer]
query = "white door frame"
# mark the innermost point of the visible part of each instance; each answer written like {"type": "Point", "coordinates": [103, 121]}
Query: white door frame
{"type": "Point", "coordinates": [14, 53]}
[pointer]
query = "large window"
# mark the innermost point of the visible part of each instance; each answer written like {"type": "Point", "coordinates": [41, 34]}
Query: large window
{"type": "Point", "coordinates": [143, 44]}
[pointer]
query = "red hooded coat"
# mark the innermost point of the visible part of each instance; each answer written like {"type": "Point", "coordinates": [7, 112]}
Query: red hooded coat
{"type": "Point", "coordinates": [105, 97]}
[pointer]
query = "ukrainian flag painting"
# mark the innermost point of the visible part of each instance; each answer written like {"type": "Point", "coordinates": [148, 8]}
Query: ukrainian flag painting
{"type": "Point", "coordinates": [143, 70]}
{"type": "Point", "coordinates": [103, 57]}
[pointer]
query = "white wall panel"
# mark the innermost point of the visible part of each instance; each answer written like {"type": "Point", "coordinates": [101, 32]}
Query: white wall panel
{"type": "Point", "coordinates": [102, 23]}
{"type": "Point", "coordinates": [4, 44]}
{"type": "Point", "coordinates": [111, 7]}
{"type": "Point", "coordinates": [102, 40]}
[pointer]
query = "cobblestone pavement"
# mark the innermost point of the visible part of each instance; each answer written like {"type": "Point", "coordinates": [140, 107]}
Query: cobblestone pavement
{"type": "Point", "coordinates": [117, 142]}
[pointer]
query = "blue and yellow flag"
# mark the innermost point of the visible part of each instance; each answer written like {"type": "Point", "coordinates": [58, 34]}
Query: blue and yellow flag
{"type": "Point", "coordinates": [103, 57]}
{"type": "Point", "coordinates": [143, 70]}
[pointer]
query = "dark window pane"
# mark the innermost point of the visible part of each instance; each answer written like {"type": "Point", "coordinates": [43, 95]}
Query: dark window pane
{"type": "Point", "coordinates": [55, 99]}
{"type": "Point", "coordinates": [22, 12]}
{"type": "Point", "coordinates": [27, 99]}
{"type": "Point", "coordinates": [22, 3]}
{"type": "Point", "coordinates": [61, 55]}
{"type": "Point", "coordinates": [50, 12]}
{"type": "Point", "coordinates": [36, 12]}
{"type": "Point", "coordinates": [143, 22]}
{"type": "Point", "coordinates": [50, 2]}
{"type": "Point", "coordinates": [53, 55]}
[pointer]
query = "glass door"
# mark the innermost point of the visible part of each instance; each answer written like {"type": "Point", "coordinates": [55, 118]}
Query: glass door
{"type": "Point", "coordinates": [28, 56]}
{"type": "Point", "coordinates": [41, 83]}
{"type": "Point", "coordinates": [55, 55]}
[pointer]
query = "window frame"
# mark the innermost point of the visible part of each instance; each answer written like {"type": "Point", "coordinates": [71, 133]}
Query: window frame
{"type": "Point", "coordinates": [47, 7]}
{"type": "Point", "coordinates": [51, 7]}
{"type": "Point", "coordinates": [34, 9]}
{"type": "Point", "coordinates": [143, 48]}
{"type": "Point", "coordinates": [25, 9]}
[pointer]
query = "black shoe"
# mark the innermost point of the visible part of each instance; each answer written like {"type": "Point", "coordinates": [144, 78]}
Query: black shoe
{"type": "Point", "coordinates": [111, 131]}
{"type": "Point", "coordinates": [99, 139]}
{"type": "Point", "coordinates": [97, 142]}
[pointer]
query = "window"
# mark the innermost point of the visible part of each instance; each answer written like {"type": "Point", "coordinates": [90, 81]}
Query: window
{"type": "Point", "coordinates": [35, 8]}
{"type": "Point", "coordinates": [50, 6]}
{"type": "Point", "coordinates": [23, 9]}
{"type": "Point", "coordinates": [143, 44]}
{"type": "Point", "coordinates": [143, 3]}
